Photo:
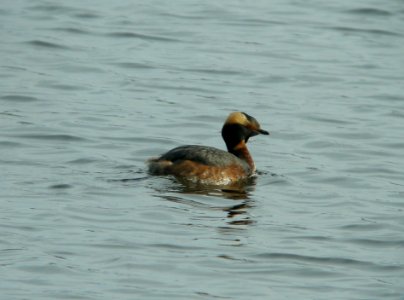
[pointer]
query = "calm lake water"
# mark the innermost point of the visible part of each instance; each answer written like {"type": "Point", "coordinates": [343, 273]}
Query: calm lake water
{"type": "Point", "coordinates": [89, 90]}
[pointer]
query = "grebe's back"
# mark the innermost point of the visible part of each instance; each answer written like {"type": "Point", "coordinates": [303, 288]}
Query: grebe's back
{"type": "Point", "coordinates": [203, 154]}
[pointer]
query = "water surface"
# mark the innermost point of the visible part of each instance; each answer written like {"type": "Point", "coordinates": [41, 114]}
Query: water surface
{"type": "Point", "coordinates": [89, 92]}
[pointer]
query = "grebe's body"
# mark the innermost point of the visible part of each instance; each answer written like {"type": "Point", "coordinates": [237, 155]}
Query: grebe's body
{"type": "Point", "coordinates": [201, 164]}
{"type": "Point", "coordinates": [211, 166]}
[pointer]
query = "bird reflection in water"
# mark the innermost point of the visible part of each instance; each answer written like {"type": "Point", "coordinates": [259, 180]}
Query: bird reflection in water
{"type": "Point", "coordinates": [172, 191]}
{"type": "Point", "coordinates": [238, 213]}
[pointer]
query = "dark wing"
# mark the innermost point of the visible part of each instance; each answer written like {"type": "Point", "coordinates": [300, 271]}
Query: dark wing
{"type": "Point", "coordinates": [202, 154]}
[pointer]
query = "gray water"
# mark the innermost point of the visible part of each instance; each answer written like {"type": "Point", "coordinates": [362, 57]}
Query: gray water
{"type": "Point", "coordinates": [89, 90]}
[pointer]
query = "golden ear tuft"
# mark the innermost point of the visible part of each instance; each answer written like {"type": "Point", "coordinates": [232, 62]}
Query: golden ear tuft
{"type": "Point", "coordinates": [237, 118]}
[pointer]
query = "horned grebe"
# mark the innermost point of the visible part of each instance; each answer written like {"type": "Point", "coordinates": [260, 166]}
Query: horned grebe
{"type": "Point", "coordinates": [212, 166]}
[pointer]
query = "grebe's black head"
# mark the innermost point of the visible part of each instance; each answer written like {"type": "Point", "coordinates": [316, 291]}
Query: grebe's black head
{"type": "Point", "coordinates": [239, 127]}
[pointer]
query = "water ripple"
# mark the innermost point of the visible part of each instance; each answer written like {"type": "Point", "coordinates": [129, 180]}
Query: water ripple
{"type": "Point", "coordinates": [141, 36]}
{"type": "Point", "coordinates": [87, 15]}
{"type": "Point", "coordinates": [132, 65]}
{"type": "Point", "coordinates": [337, 261]}
{"type": "Point", "coordinates": [72, 30]}
{"type": "Point", "coordinates": [19, 98]}
{"type": "Point", "coordinates": [377, 243]}
{"type": "Point", "coordinates": [8, 144]}
{"type": "Point", "coordinates": [61, 186]}
{"type": "Point", "coordinates": [346, 29]}
{"type": "Point", "coordinates": [52, 137]}
{"type": "Point", "coordinates": [52, 8]}
{"type": "Point", "coordinates": [369, 11]}
{"type": "Point", "coordinates": [49, 45]}
{"type": "Point", "coordinates": [216, 72]}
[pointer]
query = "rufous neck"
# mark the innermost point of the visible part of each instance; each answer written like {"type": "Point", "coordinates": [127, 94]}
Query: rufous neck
{"type": "Point", "coordinates": [241, 151]}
